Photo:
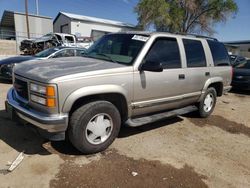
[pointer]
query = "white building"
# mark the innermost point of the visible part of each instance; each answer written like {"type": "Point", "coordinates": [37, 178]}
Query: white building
{"type": "Point", "coordinates": [85, 26]}
{"type": "Point", "coordinates": [241, 48]}
{"type": "Point", "coordinates": [13, 25]}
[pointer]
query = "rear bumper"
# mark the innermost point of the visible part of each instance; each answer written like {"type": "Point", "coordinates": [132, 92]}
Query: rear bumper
{"type": "Point", "coordinates": [50, 123]}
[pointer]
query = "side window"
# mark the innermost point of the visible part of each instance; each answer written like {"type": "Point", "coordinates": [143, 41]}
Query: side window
{"type": "Point", "coordinates": [80, 52]}
{"type": "Point", "coordinates": [165, 51]}
{"type": "Point", "coordinates": [69, 53]}
{"type": "Point", "coordinates": [65, 53]}
{"type": "Point", "coordinates": [194, 53]}
{"type": "Point", "coordinates": [219, 53]}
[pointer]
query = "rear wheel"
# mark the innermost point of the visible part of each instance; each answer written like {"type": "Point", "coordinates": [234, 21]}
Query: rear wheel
{"type": "Point", "coordinates": [207, 104]}
{"type": "Point", "coordinates": [94, 126]}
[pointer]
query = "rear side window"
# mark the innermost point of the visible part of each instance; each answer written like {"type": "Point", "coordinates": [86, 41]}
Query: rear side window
{"type": "Point", "coordinates": [194, 53]}
{"type": "Point", "coordinates": [165, 51]}
{"type": "Point", "coordinates": [219, 53]}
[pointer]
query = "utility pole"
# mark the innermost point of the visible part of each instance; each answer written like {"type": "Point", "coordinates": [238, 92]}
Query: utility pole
{"type": "Point", "coordinates": [27, 18]}
{"type": "Point", "coordinates": [37, 8]}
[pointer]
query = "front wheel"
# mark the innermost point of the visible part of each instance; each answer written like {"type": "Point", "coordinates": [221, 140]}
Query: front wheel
{"type": "Point", "coordinates": [94, 126]}
{"type": "Point", "coordinates": [207, 104]}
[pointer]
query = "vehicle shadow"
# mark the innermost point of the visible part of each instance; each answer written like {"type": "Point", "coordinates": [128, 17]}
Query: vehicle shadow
{"type": "Point", "coordinates": [240, 92]}
{"type": "Point", "coordinates": [20, 137]}
{"type": "Point", "coordinates": [66, 148]}
{"type": "Point", "coordinates": [130, 131]}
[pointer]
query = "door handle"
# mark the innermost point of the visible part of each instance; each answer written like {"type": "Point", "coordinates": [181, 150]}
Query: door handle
{"type": "Point", "coordinates": [207, 74]}
{"type": "Point", "coordinates": [181, 76]}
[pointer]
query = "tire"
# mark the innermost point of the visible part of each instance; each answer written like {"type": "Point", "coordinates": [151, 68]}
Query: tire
{"type": "Point", "coordinates": [83, 131]}
{"type": "Point", "coordinates": [210, 97]}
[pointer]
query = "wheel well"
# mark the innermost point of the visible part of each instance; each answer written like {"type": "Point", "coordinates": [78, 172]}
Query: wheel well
{"type": "Point", "coordinates": [116, 99]}
{"type": "Point", "coordinates": [218, 86]}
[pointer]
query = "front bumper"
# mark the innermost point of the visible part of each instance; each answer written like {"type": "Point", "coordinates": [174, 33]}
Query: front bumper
{"type": "Point", "coordinates": [50, 123]}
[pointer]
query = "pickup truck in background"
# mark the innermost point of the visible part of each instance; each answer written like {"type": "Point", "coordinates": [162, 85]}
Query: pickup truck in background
{"type": "Point", "coordinates": [129, 78]}
{"type": "Point", "coordinates": [33, 46]}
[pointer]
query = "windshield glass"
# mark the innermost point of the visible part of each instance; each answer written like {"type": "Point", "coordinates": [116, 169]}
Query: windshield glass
{"type": "Point", "coordinates": [118, 48]}
{"type": "Point", "coordinates": [245, 65]}
{"type": "Point", "coordinates": [47, 52]}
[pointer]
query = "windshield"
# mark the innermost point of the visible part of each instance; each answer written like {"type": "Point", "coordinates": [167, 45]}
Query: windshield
{"type": "Point", "coordinates": [117, 48]}
{"type": "Point", "coordinates": [245, 65]}
{"type": "Point", "coordinates": [47, 52]}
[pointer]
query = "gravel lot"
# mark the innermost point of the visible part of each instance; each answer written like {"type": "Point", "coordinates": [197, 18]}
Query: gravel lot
{"type": "Point", "coordinates": [184, 151]}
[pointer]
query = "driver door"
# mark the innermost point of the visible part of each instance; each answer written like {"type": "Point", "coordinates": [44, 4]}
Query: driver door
{"type": "Point", "coordinates": [156, 91]}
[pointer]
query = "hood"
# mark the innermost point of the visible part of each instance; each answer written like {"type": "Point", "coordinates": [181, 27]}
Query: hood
{"type": "Point", "coordinates": [16, 59]}
{"type": "Point", "coordinates": [46, 70]}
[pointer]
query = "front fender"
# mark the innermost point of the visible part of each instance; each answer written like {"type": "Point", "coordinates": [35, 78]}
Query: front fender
{"type": "Point", "coordinates": [92, 90]}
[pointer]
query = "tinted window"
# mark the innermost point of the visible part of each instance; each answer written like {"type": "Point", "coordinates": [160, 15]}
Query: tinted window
{"type": "Point", "coordinates": [194, 53]}
{"type": "Point", "coordinates": [165, 51]}
{"type": "Point", "coordinates": [219, 53]}
{"type": "Point", "coordinates": [245, 65]}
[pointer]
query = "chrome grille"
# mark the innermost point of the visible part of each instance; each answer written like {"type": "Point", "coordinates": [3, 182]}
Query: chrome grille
{"type": "Point", "coordinates": [21, 88]}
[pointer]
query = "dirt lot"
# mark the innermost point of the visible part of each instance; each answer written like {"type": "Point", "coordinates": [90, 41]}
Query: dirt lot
{"type": "Point", "coordinates": [181, 152]}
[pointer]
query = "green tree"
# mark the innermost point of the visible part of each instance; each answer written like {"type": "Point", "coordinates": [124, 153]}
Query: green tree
{"type": "Point", "coordinates": [185, 16]}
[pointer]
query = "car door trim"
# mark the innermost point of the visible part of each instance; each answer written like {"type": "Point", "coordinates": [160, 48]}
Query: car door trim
{"type": "Point", "coordinates": [155, 102]}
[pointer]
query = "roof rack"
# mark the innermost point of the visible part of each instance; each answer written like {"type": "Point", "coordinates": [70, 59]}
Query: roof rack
{"type": "Point", "coordinates": [197, 36]}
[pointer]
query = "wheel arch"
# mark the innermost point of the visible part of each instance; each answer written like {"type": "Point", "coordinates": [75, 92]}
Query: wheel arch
{"type": "Point", "coordinates": [114, 94]}
{"type": "Point", "coordinates": [217, 83]}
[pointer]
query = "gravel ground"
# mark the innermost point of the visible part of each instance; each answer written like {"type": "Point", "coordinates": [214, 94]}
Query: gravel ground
{"type": "Point", "coordinates": [184, 151]}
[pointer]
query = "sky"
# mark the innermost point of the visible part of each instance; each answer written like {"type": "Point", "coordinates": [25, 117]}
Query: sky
{"type": "Point", "coordinates": [237, 28]}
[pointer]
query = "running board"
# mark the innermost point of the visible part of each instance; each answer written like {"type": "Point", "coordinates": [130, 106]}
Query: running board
{"type": "Point", "coordinates": [156, 117]}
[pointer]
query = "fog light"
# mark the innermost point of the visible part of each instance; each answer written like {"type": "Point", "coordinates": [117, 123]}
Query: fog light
{"type": "Point", "coordinates": [39, 100]}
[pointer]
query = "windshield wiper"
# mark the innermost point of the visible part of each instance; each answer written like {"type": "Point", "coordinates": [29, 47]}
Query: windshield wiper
{"type": "Point", "coordinates": [110, 58]}
{"type": "Point", "coordinates": [100, 54]}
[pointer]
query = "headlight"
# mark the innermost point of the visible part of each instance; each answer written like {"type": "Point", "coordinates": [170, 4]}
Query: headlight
{"type": "Point", "coordinates": [38, 88]}
{"type": "Point", "coordinates": [44, 95]}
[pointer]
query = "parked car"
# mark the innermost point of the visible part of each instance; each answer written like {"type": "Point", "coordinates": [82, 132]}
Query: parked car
{"type": "Point", "coordinates": [236, 60]}
{"type": "Point", "coordinates": [241, 76]}
{"type": "Point", "coordinates": [50, 40]}
{"type": "Point", "coordinates": [130, 78]}
{"type": "Point", "coordinates": [6, 65]}
{"type": "Point", "coordinates": [33, 46]}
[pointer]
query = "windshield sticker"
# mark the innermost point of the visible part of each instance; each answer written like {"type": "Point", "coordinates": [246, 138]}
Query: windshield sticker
{"type": "Point", "coordinates": [140, 38]}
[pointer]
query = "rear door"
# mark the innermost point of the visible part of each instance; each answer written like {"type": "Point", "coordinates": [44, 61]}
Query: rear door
{"type": "Point", "coordinates": [196, 71]}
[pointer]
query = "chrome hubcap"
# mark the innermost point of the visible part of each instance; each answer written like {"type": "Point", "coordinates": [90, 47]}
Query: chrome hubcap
{"type": "Point", "coordinates": [99, 129]}
{"type": "Point", "coordinates": [208, 102]}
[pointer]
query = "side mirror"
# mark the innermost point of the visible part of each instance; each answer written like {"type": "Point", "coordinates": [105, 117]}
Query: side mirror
{"type": "Point", "coordinates": [151, 66]}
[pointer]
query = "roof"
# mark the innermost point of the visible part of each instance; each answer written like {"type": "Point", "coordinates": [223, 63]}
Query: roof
{"type": "Point", "coordinates": [94, 19]}
{"type": "Point", "coordinates": [238, 42]}
{"type": "Point", "coordinates": [8, 17]}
